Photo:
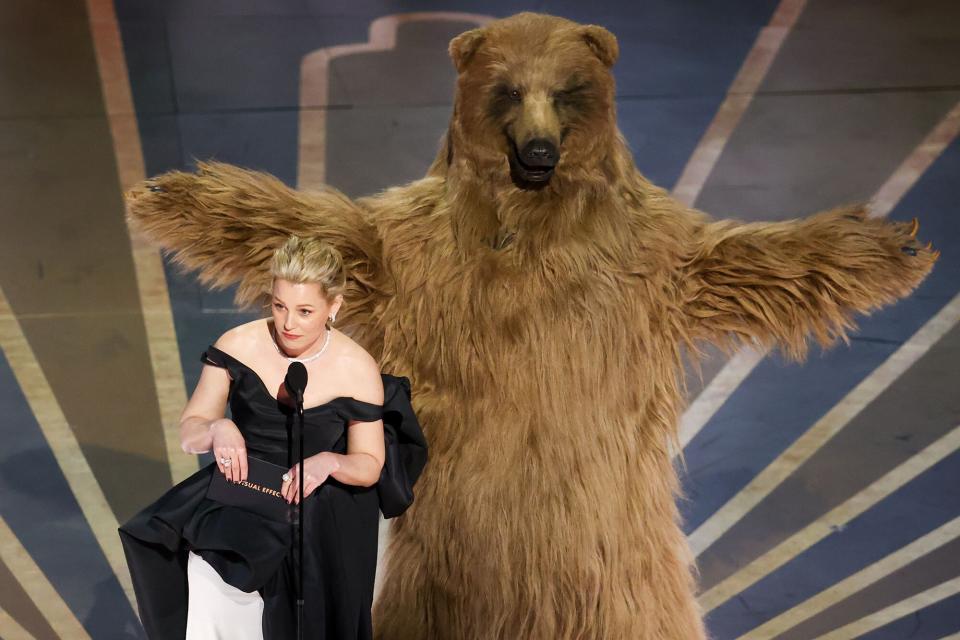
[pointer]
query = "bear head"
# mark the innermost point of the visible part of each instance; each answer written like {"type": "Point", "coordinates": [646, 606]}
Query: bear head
{"type": "Point", "coordinates": [534, 99]}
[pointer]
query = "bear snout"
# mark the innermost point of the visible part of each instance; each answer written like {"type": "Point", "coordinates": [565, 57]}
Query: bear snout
{"type": "Point", "coordinates": [539, 153]}
{"type": "Point", "coordinates": [533, 164]}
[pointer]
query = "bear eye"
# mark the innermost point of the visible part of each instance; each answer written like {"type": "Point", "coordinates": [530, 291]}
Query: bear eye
{"type": "Point", "coordinates": [515, 95]}
{"type": "Point", "coordinates": [573, 91]}
{"type": "Point", "coordinates": [575, 97]}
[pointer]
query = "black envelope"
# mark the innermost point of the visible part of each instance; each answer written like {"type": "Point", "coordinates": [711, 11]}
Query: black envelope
{"type": "Point", "coordinates": [259, 493]}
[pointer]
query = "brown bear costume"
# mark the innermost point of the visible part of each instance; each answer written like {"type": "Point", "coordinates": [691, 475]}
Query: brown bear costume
{"type": "Point", "coordinates": [538, 292]}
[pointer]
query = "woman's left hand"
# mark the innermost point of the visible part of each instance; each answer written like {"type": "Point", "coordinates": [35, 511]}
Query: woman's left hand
{"type": "Point", "coordinates": [317, 469]}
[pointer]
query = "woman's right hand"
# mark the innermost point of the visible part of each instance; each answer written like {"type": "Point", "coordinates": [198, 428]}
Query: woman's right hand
{"type": "Point", "coordinates": [228, 445]}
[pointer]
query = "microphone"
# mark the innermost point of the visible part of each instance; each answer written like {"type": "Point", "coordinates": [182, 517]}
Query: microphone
{"type": "Point", "coordinates": [296, 381]}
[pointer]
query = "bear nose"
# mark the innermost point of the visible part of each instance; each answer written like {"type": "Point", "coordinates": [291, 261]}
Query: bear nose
{"type": "Point", "coordinates": [539, 152]}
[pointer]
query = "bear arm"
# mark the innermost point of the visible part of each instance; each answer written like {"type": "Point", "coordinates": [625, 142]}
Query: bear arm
{"type": "Point", "coordinates": [225, 222]}
{"type": "Point", "coordinates": [776, 283]}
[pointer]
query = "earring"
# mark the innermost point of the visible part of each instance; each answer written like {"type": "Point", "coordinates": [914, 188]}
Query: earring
{"type": "Point", "coordinates": [333, 317]}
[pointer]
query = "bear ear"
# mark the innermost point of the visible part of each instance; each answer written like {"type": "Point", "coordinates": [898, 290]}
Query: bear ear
{"type": "Point", "coordinates": [601, 42]}
{"type": "Point", "coordinates": [464, 46]}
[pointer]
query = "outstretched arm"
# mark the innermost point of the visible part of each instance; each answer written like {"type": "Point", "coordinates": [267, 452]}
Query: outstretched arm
{"type": "Point", "coordinates": [225, 222]}
{"type": "Point", "coordinates": [778, 283]}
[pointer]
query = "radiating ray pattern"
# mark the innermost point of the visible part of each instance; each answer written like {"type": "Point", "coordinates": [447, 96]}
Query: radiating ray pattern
{"type": "Point", "coordinates": [754, 110]}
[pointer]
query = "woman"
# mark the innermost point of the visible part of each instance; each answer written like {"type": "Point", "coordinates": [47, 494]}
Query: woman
{"type": "Point", "coordinates": [203, 569]}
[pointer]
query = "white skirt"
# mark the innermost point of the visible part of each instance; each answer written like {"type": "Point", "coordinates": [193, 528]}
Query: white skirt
{"type": "Point", "coordinates": [217, 610]}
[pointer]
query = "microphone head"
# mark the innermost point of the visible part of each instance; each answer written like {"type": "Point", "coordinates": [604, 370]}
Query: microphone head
{"type": "Point", "coordinates": [296, 380]}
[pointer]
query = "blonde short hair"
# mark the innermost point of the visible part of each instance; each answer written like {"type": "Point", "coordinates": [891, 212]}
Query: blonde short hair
{"type": "Point", "coordinates": [302, 260]}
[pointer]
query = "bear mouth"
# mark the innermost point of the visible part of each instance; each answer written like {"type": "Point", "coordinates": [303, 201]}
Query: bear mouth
{"type": "Point", "coordinates": [526, 175]}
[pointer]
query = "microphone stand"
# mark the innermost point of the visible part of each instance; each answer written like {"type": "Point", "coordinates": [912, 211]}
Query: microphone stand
{"type": "Point", "coordinates": [296, 383]}
{"type": "Point", "coordinates": [300, 524]}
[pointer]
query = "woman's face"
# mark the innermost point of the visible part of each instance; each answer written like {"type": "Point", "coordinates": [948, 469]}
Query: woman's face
{"type": "Point", "coordinates": [300, 312]}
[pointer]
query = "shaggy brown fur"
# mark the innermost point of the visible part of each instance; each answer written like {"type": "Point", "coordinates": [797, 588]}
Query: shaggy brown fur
{"type": "Point", "coordinates": [542, 327]}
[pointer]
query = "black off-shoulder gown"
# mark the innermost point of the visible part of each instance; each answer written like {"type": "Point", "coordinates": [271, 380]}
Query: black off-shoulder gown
{"type": "Point", "coordinates": [253, 553]}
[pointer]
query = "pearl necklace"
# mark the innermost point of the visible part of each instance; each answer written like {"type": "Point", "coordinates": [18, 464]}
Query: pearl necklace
{"type": "Point", "coordinates": [302, 360]}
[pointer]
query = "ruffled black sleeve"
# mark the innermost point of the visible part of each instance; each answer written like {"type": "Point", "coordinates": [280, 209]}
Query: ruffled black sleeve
{"type": "Point", "coordinates": [406, 448]}
{"type": "Point", "coordinates": [214, 356]}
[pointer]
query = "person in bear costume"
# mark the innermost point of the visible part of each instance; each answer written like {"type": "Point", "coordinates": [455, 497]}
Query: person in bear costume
{"type": "Point", "coordinates": [539, 293]}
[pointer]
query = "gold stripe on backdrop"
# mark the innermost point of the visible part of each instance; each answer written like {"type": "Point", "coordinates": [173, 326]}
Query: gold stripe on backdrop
{"type": "Point", "coordinates": [739, 96]}
{"type": "Point", "coordinates": [35, 584]}
{"type": "Point", "coordinates": [827, 524]}
{"type": "Point", "coordinates": [10, 629]}
{"type": "Point", "coordinates": [896, 611]}
{"type": "Point", "coordinates": [151, 279]}
{"type": "Point", "coordinates": [857, 582]}
{"type": "Point", "coordinates": [63, 443]}
{"type": "Point", "coordinates": [315, 85]}
{"type": "Point", "coordinates": [838, 417]}
{"type": "Point", "coordinates": [916, 164]}
{"type": "Point", "coordinates": [717, 391]}
{"type": "Point", "coordinates": [694, 176]}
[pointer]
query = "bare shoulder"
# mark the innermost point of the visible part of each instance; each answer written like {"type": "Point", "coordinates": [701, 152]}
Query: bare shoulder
{"type": "Point", "coordinates": [242, 339]}
{"type": "Point", "coordinates": [359, 368]}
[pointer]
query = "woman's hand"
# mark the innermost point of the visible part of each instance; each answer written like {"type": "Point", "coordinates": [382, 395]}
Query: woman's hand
{"type": "Point", "coordinates": [317, 469]}
{"type": "Point", "coordinates": [228, 445]}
